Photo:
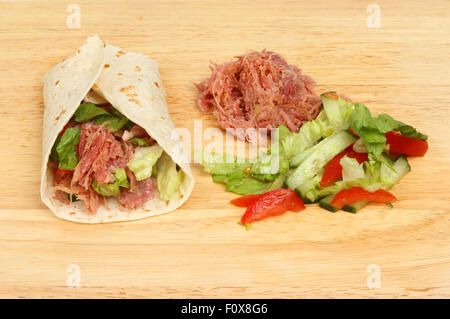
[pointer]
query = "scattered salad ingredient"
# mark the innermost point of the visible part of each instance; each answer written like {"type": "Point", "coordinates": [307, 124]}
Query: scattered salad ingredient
{"type": "Point", "coordinates": [244, 201]}
{"type": "Point", "coordinates": [406, 145]}
{"type": "Point", "coordinates": [272, 203]}
{"type": "Point", "coordinates": [343, 159]}
{"type": "Point", "coordinates": [258, 90]}
{"type": "Point", "coordinates": [356, 194]}
{"type": "Point", "coordinates": [101, 154]}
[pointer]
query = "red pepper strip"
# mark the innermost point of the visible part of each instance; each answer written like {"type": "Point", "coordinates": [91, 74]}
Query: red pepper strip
{"type": "Point", "coordinates": [333, 169]}
{"type": "Point", "coordinates": [62, 172]}
{"type": "Point", "coordinates": [406, 145]}
{"type": "Point", "coordinates": [360, 157]}
{"type": "Point", "coordinates": [355, 194]}
{"type": "Point", "coordinates": [272, 203]}
{"type": "Point", "coordinates": [64, 129]}
{"type": "Point", "coordinates": [244, 201]}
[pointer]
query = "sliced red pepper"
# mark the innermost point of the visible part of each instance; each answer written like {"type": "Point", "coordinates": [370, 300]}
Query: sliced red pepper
{"type": "Point", "coordinates": [360, 157]}
{"type": "Point", "coordinates": [355, 194]}
{"type": "Point", "coordinates": [62, 172]}
{"type": "Point", "coordinates": [333, 169]}
{"type": "Point", "coordinates": [272, 203]}
{"type": "Point", "coordinates": [64, 129]}
{"type": "Point", "coordinates": [406, 145]}
{"type": "Point", "coordinates": [244, 201]}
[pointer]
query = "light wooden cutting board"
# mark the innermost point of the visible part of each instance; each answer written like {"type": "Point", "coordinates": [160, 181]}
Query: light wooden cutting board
{"type": "Point", "coordinates": [199, 250]}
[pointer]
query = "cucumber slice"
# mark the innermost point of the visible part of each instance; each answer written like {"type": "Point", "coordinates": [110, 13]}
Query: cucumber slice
{"type": "Point", "coordinates": [355, 207]}
{"type": "Point", "coordinates": [325, 151]}
{"type": "Point", "coordinates": [326, 203]}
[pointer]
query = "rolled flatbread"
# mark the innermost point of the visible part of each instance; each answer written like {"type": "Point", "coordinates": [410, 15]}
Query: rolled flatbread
{"type": "Point", "coordinates": [130, 82]}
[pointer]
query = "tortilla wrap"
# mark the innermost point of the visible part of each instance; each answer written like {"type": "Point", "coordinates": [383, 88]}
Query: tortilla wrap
{"type": "Point", "coordinates": [131, 83]}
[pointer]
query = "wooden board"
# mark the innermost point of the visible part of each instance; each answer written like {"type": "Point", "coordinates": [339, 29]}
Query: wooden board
{"type": "Point", "coordinates": [199, 251]}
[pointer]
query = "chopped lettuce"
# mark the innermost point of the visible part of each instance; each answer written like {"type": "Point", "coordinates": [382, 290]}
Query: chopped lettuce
{"type": "Point", "coordinates": [351, 169]}
{"type": "Point", "coordinates": [66, 149]}
{"type": "Point", "coordinates": [139, 141]}
{"type": "Point", "coordinates": [310, 133]}
{"type": "Point", "coordinates": [372, 129]}
{"type": "Point", "coordinates": [88, 111]}
{"type": "Point", "coordinates": [143, 160]}
{"type": "Point", "coordinates": [337, 110]}
{"type": "Point", "coordinates": [221, 164]}
{"type": "Point", "coordinates": [112, 189]}
{"type": "Point", "coordinates": [53, 152]}
{"type": "Point", "coordinates": [168, 178]}
{"type": "Point", "coordinates": [115, 123]}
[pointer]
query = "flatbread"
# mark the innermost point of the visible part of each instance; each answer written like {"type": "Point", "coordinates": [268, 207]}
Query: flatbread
{"type": "Point", "coordinates": [131, 83]}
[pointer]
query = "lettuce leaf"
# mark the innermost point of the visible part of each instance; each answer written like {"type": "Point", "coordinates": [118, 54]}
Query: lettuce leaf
{"type": "Point", "coordinates": [143, 160]}
{"type": "Point", "coordinates": [139, 141]}
{"type": "Point", "coordinates": [372, 129]}
{"type": "Point", "coordinates": [114, 123]}
{"type": "Point", "coordinates": [112, 189]}
{"type": "Point", "coordinates": [168, 178]}
{"type": "Point", "coordinates": [88, 111]}
{"type": "Point", "coordinates": [351, 169]}
{"type": "Point", "coordinates": [65, 149]}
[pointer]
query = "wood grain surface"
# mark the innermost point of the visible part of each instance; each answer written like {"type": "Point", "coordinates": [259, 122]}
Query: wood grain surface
{"type": "Point", "coordinates": [199, 250]}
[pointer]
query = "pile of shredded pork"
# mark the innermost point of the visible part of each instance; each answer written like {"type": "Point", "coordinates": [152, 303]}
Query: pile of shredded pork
{"type": "Point", "coordinates": [258, 90]}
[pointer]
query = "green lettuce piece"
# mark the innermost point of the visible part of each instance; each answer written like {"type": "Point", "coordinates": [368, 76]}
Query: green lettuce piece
{"type": "Point", "coordinates": [310, 133]}
{"type": "Point", "coordinates": [221, 164]}
{"type": "Point", "coordinates": [139, 141]}
{"type": "Point", "coordinates": [372, 129]}
{"type": "Point", "coordinates": [112, 189]}
{"type": "Point", "coordinates": [351, 169]}
{"type": "Point", "coordinates": [114, 123]}
{"type": "Point", "coordinates": [67, 155]}
{"type": "Point", "coordinates": [143, 160]}
{"type": "Point", "coordinates": [88, 111]}
{"type": "Point", "coordinates": [247, 186]}
{"type": "Point", "coordinates": [337, 110]}
{"type": "Point", "coordinates": [121, 178]}
{"type": "Point", "coordinates": [168, 178]}
{"type": "Point", "coordinates": [409, 131]}
{"type": "Point", "coordinates": [53, 152]}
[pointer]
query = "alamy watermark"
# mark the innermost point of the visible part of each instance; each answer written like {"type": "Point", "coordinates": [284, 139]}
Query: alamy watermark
{"type": "Point", "coordinates": [74, 277]}
{"type": "Point", "coordinates": [374, 18]}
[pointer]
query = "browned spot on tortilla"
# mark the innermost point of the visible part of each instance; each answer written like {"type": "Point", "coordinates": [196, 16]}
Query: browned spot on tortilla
{"type": "Point", "coordinates": [146, 210]}
{"type": "Point", "coordinates": [107, 66]}
{"type": "Point", "coordinates": [135, 102]}
{"type": "Point", "coordinates": [126, 88]}
{"type": "Point", "coordinates": [119, 74]}
{"type": "Point", "coordinates": [95, 86]}
{"type": "Point", "coordinates": [78, 51]}
{"type": "Point", "coordinates": [156, 84]}
{"type": "Point", "coordinates": [120, 53]}
{"type": "Point", "coordinates": [152, 98]}
{"type": "Point", "coordinates": [57, 82]}
{"type": "Point", "coordinates": [162, 117]}
{"type": "Point", "coordinates": [60, 114]}
{"type": "Point", "coordinates": [167, 203]}
{"type": "Point", "coordinates": [181, 196]}
{"type": "Point", "coordinates": [72, 213]}
{"type": "Point", "coordinates": [138, 68]}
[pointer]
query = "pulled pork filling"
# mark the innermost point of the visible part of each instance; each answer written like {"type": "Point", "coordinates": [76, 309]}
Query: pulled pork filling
{"type": "Point", "coordinates": [100, 153]}
{"type": "Point", "coordinates": [258, 90]}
